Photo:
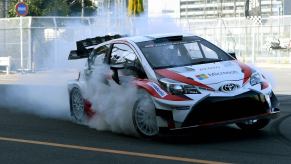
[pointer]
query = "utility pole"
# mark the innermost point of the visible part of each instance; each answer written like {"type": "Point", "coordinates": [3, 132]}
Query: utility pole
{"type": "Point", "coordinates": [6, 8]}
{"type": "Point", "coordinates": [83, 6]}
{"type": "Point", "coordinates": [2, 9]}
{"type": "Point", "coordinates": [283, 7]}
{"type": "Point", "coordinates": [234, 5]}
{"type": "Point", "coordinates": [271, 7]}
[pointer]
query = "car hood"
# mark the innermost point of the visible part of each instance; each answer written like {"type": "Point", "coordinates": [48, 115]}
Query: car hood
{"type": "Point", "coordinates": [207, 74]}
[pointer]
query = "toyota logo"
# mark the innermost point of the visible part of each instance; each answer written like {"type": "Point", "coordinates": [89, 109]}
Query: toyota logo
{"type": "Point", "coordinates": [229, 87]}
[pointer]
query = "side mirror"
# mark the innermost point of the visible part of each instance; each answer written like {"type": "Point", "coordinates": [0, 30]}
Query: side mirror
{"type": "Point", "coordinates": [232, 54]}
{"type": "Point", "coordinates": [115, 68]}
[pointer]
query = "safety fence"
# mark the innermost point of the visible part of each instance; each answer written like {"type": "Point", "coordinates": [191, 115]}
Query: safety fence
{"type": "Point", "coordinates": [41, 43]}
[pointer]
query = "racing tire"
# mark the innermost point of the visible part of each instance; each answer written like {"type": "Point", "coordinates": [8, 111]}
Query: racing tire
{"type": "Point", "coordinates": [144, 116]}
{"type": "Point", "coordinates": [253, 125]}
{"type": "Point", "coordinates": [77, 105]}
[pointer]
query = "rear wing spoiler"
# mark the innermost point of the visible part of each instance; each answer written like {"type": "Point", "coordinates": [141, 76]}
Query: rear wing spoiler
{"type": "Point", "coordinates": [84, 47]}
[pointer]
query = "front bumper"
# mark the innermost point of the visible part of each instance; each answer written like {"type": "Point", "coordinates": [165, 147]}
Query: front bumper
{"type": "Point", "coordinates": [270, 115]}
{"type": "Point", "coordinates": [214, 111]}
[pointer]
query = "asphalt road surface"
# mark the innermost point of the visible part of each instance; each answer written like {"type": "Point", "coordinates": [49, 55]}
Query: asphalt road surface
{"type": "Point", "coordinates": [30, 138]}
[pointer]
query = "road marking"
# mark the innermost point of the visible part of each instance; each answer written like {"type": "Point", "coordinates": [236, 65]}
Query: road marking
{"type": "Point", "coordinates": [102, 150]}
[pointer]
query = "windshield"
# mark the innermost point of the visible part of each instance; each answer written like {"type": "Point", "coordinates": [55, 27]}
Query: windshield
{"type": "Point", "coordinates": [188, 51]}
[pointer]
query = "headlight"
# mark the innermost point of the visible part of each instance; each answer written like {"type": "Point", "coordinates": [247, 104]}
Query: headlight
{"type": "Point", "coordinates": [178, 88]}
{"type": "Point", "coordinates": [255, 79]}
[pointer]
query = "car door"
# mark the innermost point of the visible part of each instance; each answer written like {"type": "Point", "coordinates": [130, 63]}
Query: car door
{"type": "Point", "coordinates": [96, 63]}
{"type": "Point", "coordinates": [123, 54]}
{"type": "Point", "coordinates": [97, 59]}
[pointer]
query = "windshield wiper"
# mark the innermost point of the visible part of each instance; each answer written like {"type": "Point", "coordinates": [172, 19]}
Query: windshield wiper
{"type": "Point", "coordinates": [205, 61]}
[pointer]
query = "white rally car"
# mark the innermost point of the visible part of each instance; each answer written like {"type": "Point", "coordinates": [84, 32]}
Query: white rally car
{"type": "Point", "coordinates": [189, 82]}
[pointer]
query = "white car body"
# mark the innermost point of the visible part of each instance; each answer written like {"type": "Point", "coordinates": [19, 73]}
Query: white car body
{"type": "Point", "coordinates": [214, 85]}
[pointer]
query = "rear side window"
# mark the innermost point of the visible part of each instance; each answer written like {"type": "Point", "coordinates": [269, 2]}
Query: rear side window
{"type": "Point", "coordinates": [99, 54]}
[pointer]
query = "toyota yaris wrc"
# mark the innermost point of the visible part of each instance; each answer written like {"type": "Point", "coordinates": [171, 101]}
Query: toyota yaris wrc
{"type": "Point", "coordinates": [183, 81]}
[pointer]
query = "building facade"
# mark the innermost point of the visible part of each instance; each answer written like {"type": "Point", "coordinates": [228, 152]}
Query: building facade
{"type": "Point", "coordinates": [226, 8]}
{"type": "Point", "coordinates": [205, 9]}
{"type": "Point", "coordinates": [287, 7]}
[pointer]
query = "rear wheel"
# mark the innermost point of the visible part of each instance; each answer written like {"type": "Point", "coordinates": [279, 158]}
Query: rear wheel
{"type": "Point", "coordinates": [144, 117]}
{"type": "Point", "coordinates": [77, 105]}
{"type": "Point", "coordinates": [253, 125]}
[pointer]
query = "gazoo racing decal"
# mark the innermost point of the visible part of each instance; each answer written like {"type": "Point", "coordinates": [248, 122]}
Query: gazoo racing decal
{"type": "Point", "coordinates": [209, 68]}
{"type": "Point", "coordinates": [157, 89]}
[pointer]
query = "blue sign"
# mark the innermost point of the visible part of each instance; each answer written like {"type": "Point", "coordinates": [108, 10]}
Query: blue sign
{"type": "Point", "coordinates": [21, 9]}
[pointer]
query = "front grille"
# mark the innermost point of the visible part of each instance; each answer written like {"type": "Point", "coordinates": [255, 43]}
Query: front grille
{"type": "Point", "coordinates": [217, 109]}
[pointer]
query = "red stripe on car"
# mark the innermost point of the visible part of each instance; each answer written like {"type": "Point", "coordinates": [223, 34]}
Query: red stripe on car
{"type": "Point", "coordinates": [88, 108]}
{"type": "Point", "coordinates": [144, 84]}
{"type": "Point", "coordinates": [264, 85]}
{"type": "Point", "coordinates": [246, 70]}
{"type": "Point", "coordinates": [175, 76]}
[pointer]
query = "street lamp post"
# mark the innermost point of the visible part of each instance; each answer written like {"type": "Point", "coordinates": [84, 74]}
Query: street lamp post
{"type": "Point", "coordinates": [83, 5]}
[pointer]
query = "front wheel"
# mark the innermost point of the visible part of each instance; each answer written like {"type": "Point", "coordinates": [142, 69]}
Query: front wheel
{"type": "Point", "coordinates": [144, 117]}
{"type": "Point", "coordinates": [77, 105]}
{"type": "Point", "coordinates": [253, 125]}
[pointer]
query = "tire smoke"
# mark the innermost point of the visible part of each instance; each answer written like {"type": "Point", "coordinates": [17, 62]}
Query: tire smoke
{"type": "Point", "coordinates": [112, 103]}
{"type": "Point", "coordinates": [45, 93]}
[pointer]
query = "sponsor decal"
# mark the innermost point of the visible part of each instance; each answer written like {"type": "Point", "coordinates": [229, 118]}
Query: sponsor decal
{"type": "Point", "coordinates": [206, 76]}
{"type": "Point", "coordinates": [222, 73]}
{"type": "Point", "coordinates": [227, 64]}
{"type": "Point", "coordinates": [157, 89]}
{"type": "Point", "coordinates": [189, 69]}
{"type": "Point", "coordinates": [178, 77]}
{"type": "Point", "coordinates": [209, 68]}
{"type": "Point", "coordinates": [202, 76]}
{"type": "Point", "coordinates": [182, 69]}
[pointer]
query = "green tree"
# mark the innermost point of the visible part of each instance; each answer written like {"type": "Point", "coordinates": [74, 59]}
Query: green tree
{"type": "Point", "coordinates": [54, 7]}
{"type": "Point", "coordinates": [135, 7]}
{"type": "Point", "coordinates": [76, 7]}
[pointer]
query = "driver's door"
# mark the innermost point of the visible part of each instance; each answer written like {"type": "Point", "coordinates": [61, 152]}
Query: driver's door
{"type": "Point", "coordinates": [124, 63]}
{"type": "Point", "coordinates": [97, 59]}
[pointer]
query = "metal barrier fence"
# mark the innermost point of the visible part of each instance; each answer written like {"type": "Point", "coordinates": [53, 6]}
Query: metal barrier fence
{"type": "Point", "coordinates": [41, 43]}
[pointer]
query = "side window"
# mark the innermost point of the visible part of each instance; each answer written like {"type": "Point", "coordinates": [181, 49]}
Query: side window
{"type": "Point", "coordinates": [193, 50]}
{"type": "Point", "coordinates": [123, 54]}
{"type": "Point", "coordinates": [99, 55]}
{"type": "Point", "coordinates": [209, 53]}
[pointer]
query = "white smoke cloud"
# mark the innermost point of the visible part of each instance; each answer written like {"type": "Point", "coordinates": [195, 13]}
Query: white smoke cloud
{"type": "Point", "coordinates": [46, 94]}
{"type": "Point", "coordinates": [112, 103]}
{"type": "Point", "coordinates": [43, 94]}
